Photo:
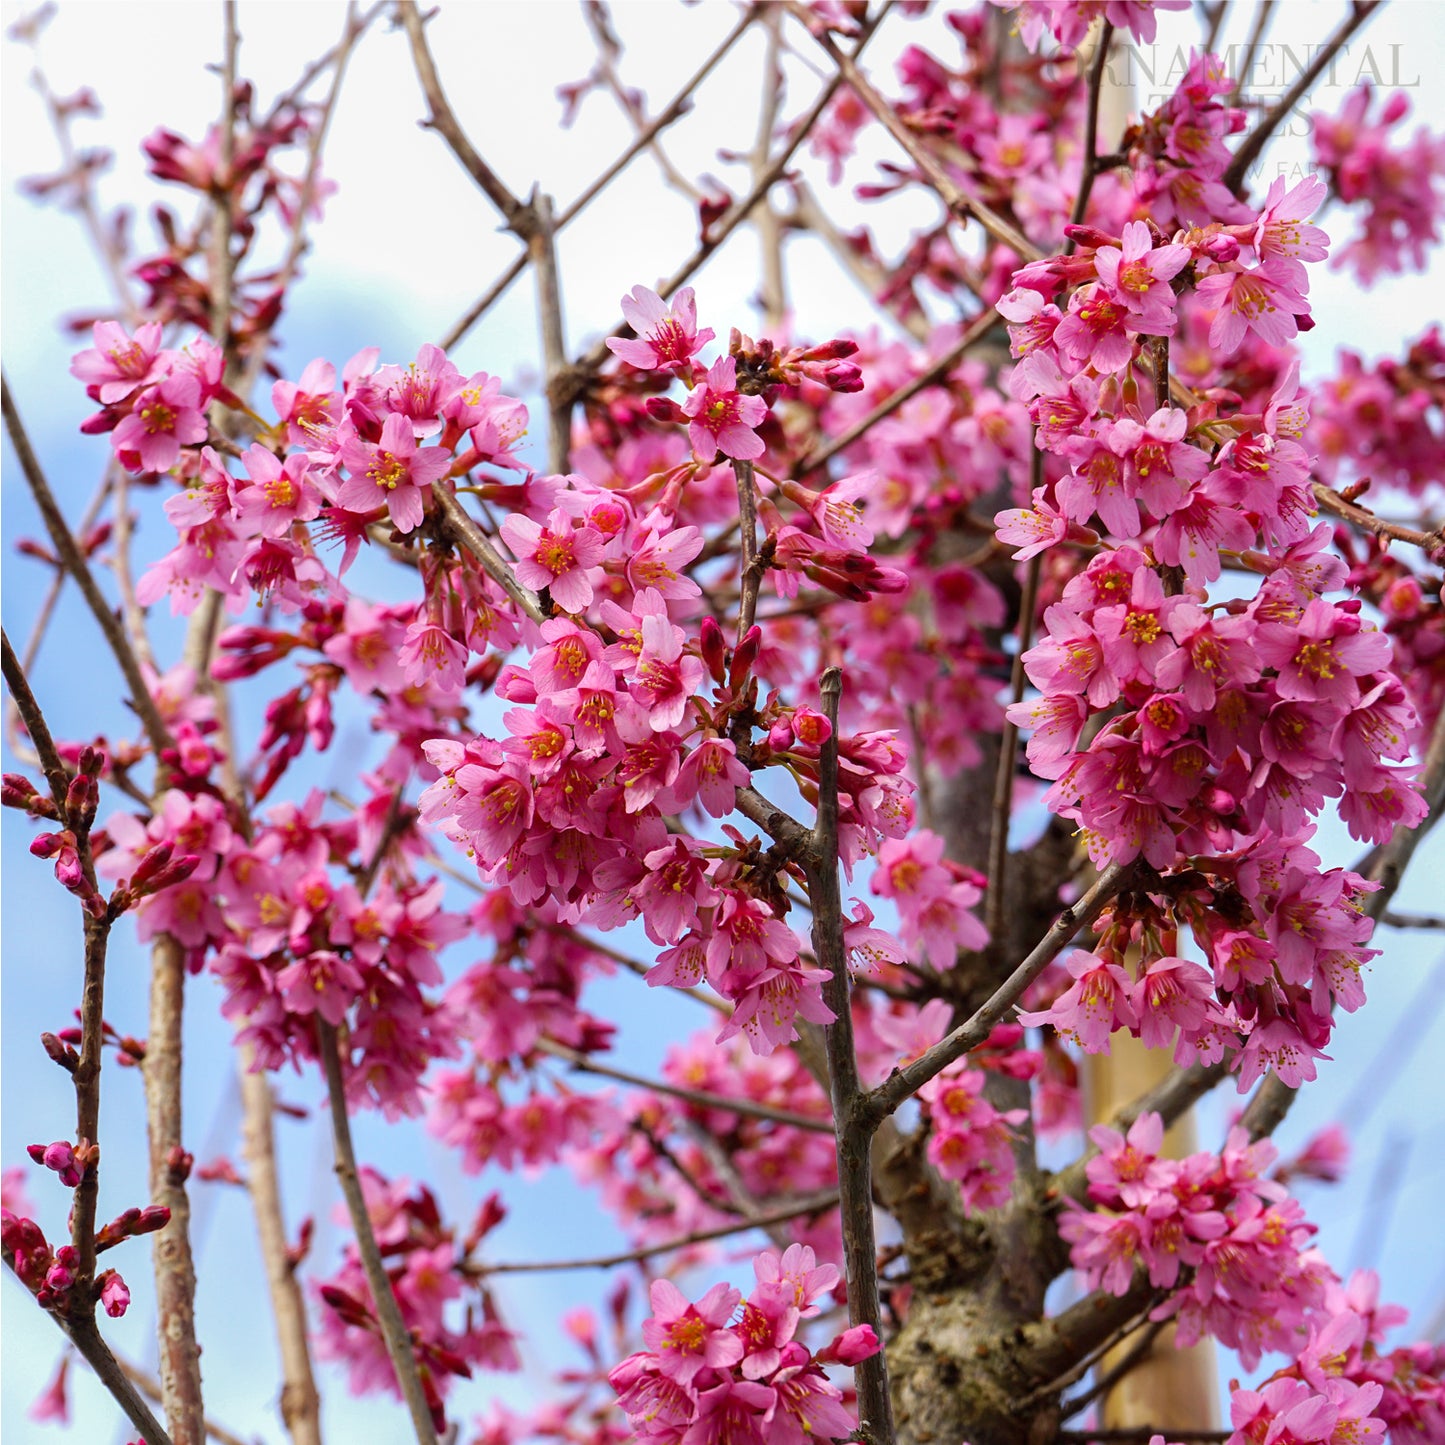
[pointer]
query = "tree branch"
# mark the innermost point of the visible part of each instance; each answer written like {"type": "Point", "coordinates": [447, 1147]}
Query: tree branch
{"type": "Point", "coordinates": [903, 1083]}
{"type": "Point", "coordinates": [811, 1204]}
{"type": "Point", "coordinates": [1256, 140]}
{"type": "Point", "coordinates": [394, 1332]}
{"type": "Point", "coordinates": [700, 1097]}
{"type": "Point", "coordinates": [74, 562]}
{"type": "Point", "coordinates": [855, 1183]}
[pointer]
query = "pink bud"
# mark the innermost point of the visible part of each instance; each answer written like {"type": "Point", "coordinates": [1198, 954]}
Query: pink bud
{"type": "Point", "coordinates": [854, 1346]}
{"type": "Point", "coordinates": [114, 1296]}
{"type": "Point", "coordinates": [714, 649]}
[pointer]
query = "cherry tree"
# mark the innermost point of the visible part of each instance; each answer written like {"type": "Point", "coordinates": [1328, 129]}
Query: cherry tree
{"type": "Point", "coordinates": [934, 708]}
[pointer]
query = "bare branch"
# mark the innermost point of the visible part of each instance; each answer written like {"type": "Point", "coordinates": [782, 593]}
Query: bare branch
{"type": "Point", "coordinates": [394, 1332]}
{"type": "Point", "coordinates": [477, 543]}
{"type": "Point", "coordinates": [903, 1083]}
{"type": "Point", "coordinates": [1258, 138]}
{"type": "Point", "coordinates": [1431, 543]}
{"type": "Point", "coordinates": [300, 1403]}
{"type": "Point", "coordinates": [973, 333]}
{"type": "Point", "coordinates": [74, 562]}
{"type": "Point", "coordinates": [723, 1103]}
{"type": "Point", "coordinates": [675, 108]}
{"type": "Point", "coordinates": [855, 1181]}
{"type": "Point", "coordinates": [444, 121]}
{"type": "Point", "coordinates": [796, 1209]}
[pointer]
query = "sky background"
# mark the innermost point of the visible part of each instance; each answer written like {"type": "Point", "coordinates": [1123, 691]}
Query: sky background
{"type": "Point", "coordinates": [407, 244]}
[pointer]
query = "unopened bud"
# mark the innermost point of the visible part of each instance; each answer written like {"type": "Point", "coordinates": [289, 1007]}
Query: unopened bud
{"type": "Point", "coordinates": [81, 800]}
{"type": "Point", "coordinates": [714, 650]}
{"type": "Point", "coordinates": [745, 656]}
{"type": "Point", "coordinates": [60, 1052]}
{"type": "Point", "coordinates": [178, 1165]}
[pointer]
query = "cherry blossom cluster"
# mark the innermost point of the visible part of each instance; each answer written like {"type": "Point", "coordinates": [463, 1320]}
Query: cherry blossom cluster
{"type": "Point", "coordinates": [1069, 21]}
{"type": "Point", "coordinates": [428, 1273]}
{"type": "Point", "coordinates": [1227, 725]}
{"type": "Point", "coordinates": [50, 1272]}
{"type": "Point", "coordinates": [1384, 423]}
{"type": "Point", "coordinates": [1231, 1243]}
{"type": "Point", "coordinates": [666, 1193]}
{"type": "Point", "coordinates": [1344, 1385]}
{"type": "Point", "coordinates": [1393, 186]}
{"type": "Point", "coordinates": [707, 1376]}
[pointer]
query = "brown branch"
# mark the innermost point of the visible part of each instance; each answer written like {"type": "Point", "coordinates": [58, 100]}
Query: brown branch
{"type": "Point", "coordinates": [809, 215]}
{"type": "Point", "coordinates": [554, 345]}
{"type": "Point", "coordinates": [903, 1083]}
{"type": "Point", "coordinates": [1003, 781]}
{"type": "Point", "coordinates": [300, 1403]}
{"type": "Point", "coordinates": [223, 196]}
{"type": "Point", "coordinates": [175, 1271]}
{"type": "Point", "coordinates": [466, 531]}
{"type": "Point", "coordinates": [394, 1332]}
{"type": "Point", "coordinates": [752, 573]}
{"type": "Point", "coordinates": [68, 550]}
{"type": "Point", "coordinates": [973, 333]}
{"type": "Point", "coordinates": [52, 596]}
{"type": "Point", "coordinates": [699, 1097]}
{"type": "Point", "coordinates": [296, 244]}
{"type": "Point", "coordinates": [1392, 919]}
{"type": "Point", "coordinates": [1256, 35]}
{"type": "Point", "coordinates": [811, 1204]}
{"type": "Point", "coordinates": [292, 97]}
{"type": "Point", "coordinates": [1431, 543]}
{"type": "Point", "coordinates": [1255, 141]}
{"type": "Point", "coordinates": [1091, 130]}
{"type": "Point", "coordinates": [96, 932]}
{"type": "Point", "coordinates": [675, 108]}
{"type": "Point", "coordinates": [1002, 231]}
{"type": "Point", "coordinates": [110, 1372]}
{"type": "Point", "coordinates": [855, 1183]}
{"type": "Point", "coordinates": [777, 824]}
{"type": "Point", "coordinates": [725, 225]}
{"type": "Point", "coordinates": [444, 121]}
{"type": "Point", "coordinates": [150, 1387]}
{"type": "Point", "coordinates": [772, 291]}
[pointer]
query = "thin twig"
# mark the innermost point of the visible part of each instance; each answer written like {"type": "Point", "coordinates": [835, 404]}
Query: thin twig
{"type": "Point", "coordinates": [1002, 231]}
{"type": "Point", "coordinates": [855, 1183]}
{"type": "Point", "coordinates": [444, 121]}
{"type": "Point", "coordinates": [394, 1332]}
{"type": "Point", "coordinates": [96, 932]}
{"type": "Point", "coordinates": [725, 225]}
{"type": "Point", "coordinates": [674, 109]}
{"type": "Point", "coordinates": [973, 333]}
{"type": "Point", "coordinates": [1431, 543]}
{"type": "Point", "coordinates": [699, 1097]}
{"type": "Point", "coordinates": [1091, 130]}
{"type": "Point", "coordinates": [296, 241]}
{"type": "Point", "coordinates": [477, 543]}
{"type": "Point", "coordinates": [811, 1204]}
{"type": "Point", "coordinates": [904, 1082]}
{"type": "Point", "coordinates": [1255, 141]}
{"type": "Point", "coordinates": [1003, 782]}
{"type": "Point", "coordinates": [150, 1387]}
{"type": "Point", "coordinates": [68, 550]}
{"type": "Point", "coordinates": [752, 575]}
{"type": "Point", "coordinates": [1256, 35]}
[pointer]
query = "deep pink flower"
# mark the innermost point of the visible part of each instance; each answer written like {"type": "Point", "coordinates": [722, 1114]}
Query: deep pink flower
{"type": "Point", "coordinates": [163, 419]}
{"type": "Point", "coordinates": [558, 556]}
{"type": "Point", "coordinates": [392, 473]}
{"type": "Point", "coordinates": [722, 418]}
{"type": "Point", "coordinates": [667, 336]}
